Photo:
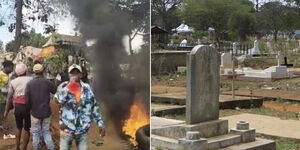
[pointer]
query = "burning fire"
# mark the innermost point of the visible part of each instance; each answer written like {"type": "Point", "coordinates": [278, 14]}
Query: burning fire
{"type": "Point", "coordinates": [138, 118]}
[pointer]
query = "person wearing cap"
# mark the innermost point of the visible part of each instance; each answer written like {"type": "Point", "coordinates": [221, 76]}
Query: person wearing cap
{"type": "Point", "coordinates": [38, 92]}
{"type": "Point", "coordinates": [16, 94]}
{"type": "Point", "coordinates": [78, 108]}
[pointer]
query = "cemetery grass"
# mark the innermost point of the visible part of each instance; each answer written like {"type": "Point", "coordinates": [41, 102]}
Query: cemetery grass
{"type": "Point", "coordinates": [271, 60]}
{"type": "Point", "coordinates": [179, 80]}
{"type": "Point", "coordinates": [266, 109]}
{"type": "Point", "coordinates": [283, 144]}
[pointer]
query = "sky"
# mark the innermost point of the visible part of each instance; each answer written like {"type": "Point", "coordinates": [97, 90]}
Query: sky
{"type": "Point", "coordinates": [65, 25]}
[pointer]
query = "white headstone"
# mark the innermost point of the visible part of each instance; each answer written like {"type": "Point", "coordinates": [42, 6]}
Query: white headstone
{"type": "Point", "coordinates": [234, 47]}
{"type": "Point", "coordinates": [255, 50]}
{"type": "Point", "coordinates": [279, 58]}
{"type": "Point", "coordinates": [226, 60]}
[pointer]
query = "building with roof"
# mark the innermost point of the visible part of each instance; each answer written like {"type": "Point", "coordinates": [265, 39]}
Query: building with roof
{"type": "Point", "coordinates": [62, 42]}
{"type": "Point", "coordinates": [159, 36]}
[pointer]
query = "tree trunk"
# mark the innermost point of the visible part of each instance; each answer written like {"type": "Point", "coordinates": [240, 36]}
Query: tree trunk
{"type": "Point", "coordinates": [130, 45]}
{"type": "Point", "coordinates": [131, 57]}
{"type": "Point", "coordinates": [19, 18]}
{"type": "Point", "coordinates": [257, 5]}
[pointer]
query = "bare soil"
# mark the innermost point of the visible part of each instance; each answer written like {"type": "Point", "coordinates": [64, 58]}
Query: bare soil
{"type": "Point", "coordinates": [110, 141]}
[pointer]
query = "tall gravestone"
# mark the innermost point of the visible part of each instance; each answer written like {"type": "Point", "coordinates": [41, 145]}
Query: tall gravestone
{"type": "Point", "coordinates": [279, 58]}
{"type": "Point", "coordinates": [203, 130]}
{"type": "Point", "coordinates": [234, 48]}
{"type": "Point", "coordinates": [203, 78]}
{"type": "Point", "coordinates": [226, 60]}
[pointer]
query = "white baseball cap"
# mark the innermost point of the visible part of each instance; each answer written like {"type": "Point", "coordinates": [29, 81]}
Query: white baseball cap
{"type": "Point", "coordinates": [74, 66]}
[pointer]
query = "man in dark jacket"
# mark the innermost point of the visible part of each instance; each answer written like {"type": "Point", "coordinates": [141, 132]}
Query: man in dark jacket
{"type": "Point", "coordinates": [37, 94]}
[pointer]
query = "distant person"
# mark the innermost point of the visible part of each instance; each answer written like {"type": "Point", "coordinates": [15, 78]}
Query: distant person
{"type": "Point", "coordinates": [16, 94]}
{"type": "Point", "coordinates": [37, 94]}
{"type": "Point", "coordinates": [183, 43]}
{"type": "Point", "coordinates": [78, 108]}
{"type": "Point", "coordinates": [5, 74]}
{"type": "Point", "coordinates": [5, 78]}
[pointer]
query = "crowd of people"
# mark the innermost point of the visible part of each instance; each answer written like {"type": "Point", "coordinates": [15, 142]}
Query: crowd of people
{"type": "Point", "coordinates": [30, 95]}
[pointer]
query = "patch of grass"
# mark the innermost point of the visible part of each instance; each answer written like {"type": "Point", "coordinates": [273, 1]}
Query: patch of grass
{"type": "Point", "coordinates": [279, 100]}
{"type": "Point", "coordinates": [226, 85]}
{"type": "Point", "coordinates": [270, 112]}
{"type": "Point", "coordinates": [260, 63]}
{"type": "Point", "coordinates": [228, 114]}
{"type": "Point", "coordinates": [259, 111]}
{"type": "Point", "coordinates": [178, 79]}
{"type": "Point", "coordinates": [282, 144]}
{"type": "Point", "coordinates": [176, 117]}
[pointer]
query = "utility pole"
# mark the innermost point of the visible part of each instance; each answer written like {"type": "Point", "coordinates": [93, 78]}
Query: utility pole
{"type": "Point", "coordinates": [234, 50]}
{"type": "Point", "coordinates": [233, 78]}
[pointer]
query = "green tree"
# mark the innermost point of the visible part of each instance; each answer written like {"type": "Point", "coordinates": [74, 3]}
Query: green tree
{"type": "Point", "coordinates": [242, 24]}
{"type": "Point", "coordinates": [291, 21]}
{"type": "Point", "coordinates": [28, 39]}
{"type": "Point", "coordinates": [164, 12]}
{"type": "Point", "coordinates": [35, 10]}
{"type": "Point", "coordinates": [270, 17]}
{"type": "Point", "coordinates": [139, 17]}
{"type": "Point", "coordinates": [202, 14]}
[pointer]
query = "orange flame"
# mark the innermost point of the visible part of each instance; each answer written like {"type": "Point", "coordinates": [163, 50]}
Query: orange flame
{"type": "Point", "coordinates": [138, 118]}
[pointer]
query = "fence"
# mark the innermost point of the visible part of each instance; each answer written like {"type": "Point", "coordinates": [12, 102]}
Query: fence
{"type": "Point", "coordinates": [242, 49]}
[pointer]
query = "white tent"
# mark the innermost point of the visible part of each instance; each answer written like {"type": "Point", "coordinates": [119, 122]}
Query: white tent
{"type": "Point", "coordinates": [183, 28]}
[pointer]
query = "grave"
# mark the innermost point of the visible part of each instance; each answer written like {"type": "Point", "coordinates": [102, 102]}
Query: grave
{"type": "Point", "coordinates": [203, 130]}
{"type": "Point", "coordinates": [234, 47]}
{"type": "Point", "coordinates": [226, 60]}
{"type": "Point", "coordinates": [270, 74]}
{"type": "Point", "coordinates": [255, 50]}
{"type": "Point", "coordinates": [226, 65]}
